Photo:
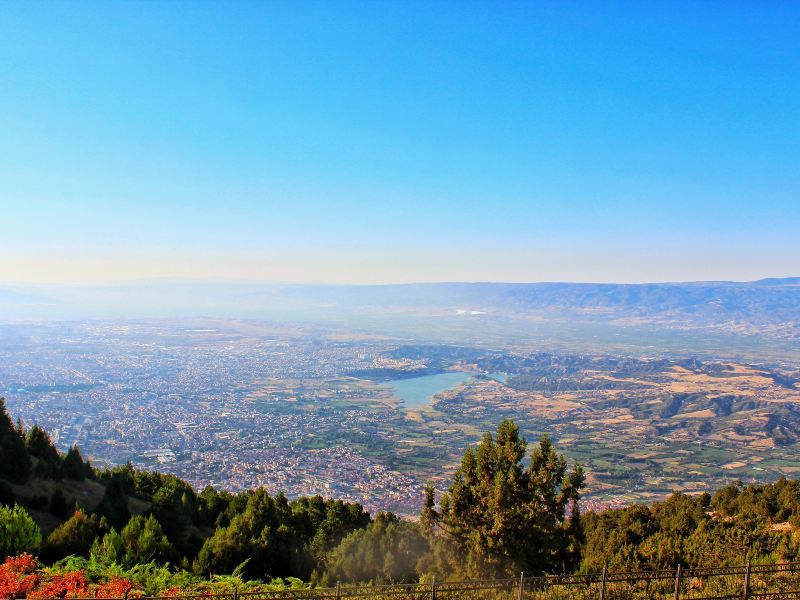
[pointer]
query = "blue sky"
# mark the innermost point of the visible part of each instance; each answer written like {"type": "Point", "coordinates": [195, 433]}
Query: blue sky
{"type": "Point", "coordinates": [400, 141]}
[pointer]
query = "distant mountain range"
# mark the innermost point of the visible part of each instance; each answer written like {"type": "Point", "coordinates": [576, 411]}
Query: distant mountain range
{"type": "Point", "coordinates": [768, 307]}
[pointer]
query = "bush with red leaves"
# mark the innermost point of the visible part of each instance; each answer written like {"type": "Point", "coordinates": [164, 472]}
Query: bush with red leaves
{"type": "Point", "coordinates": [116, 588]}
{"type": "Point", "coordinates": [18, 577]}
{"type": "Point", "coordinates": [68, 585]}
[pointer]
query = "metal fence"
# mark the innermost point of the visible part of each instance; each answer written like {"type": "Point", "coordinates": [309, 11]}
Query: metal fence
{"type": "Point", "coordinates": [749, 582]}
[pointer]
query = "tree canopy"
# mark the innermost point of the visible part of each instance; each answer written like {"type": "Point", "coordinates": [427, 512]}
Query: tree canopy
{"type": "Point", "coordinates": [499, 517]}
{"type": "Point", "coordinates": [15, 463]}
{"type": "Point", "coordinates": [18, 532]}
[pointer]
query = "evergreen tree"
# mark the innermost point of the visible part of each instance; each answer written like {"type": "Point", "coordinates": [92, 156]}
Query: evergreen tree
{"type": "Point", "coordinates": [41, 447]}
{"type": "Point", "coordinates": [18, 532]}
{"type": "Point", "coordinates": [174, 505]}
{"type": "Point", "coordinates": [114, 505]}
{"type": "Point", "coordinates": [143, 540]}
{"type": "Point", "coordinates": [276, 537]}
{"type": "Point", "coordinates": [108, 550]}
{"type": "Point", "coordinates": [15, 463]}
{"type": "Point", "coordinates": [615, 537]}
{"type": "Point", "coordinates": [212, 505]}
{"type": "Point", "coordinates": [74, 467]}
{"type": "Point", "coordinates": [75, 536]}
{"type": "Point", "coordinates": [387, 550]}
{"type": "Point", "coordinates": [340, 519]}
{"type": "Point", "coordinates": [498, 518]}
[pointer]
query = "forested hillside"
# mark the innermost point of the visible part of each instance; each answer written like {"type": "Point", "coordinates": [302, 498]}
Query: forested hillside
{"type": "Point", "coordinates": [507, 509]}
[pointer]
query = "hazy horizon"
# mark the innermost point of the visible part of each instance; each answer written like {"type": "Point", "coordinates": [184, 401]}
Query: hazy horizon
{"type": "Point", "coordinates": [322, 283]}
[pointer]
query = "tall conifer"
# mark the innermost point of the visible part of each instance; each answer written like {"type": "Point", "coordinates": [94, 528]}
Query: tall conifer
{"type": "Point", "coordinates": [15, 464]}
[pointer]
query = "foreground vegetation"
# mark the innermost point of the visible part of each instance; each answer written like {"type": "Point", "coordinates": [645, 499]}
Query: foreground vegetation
{"type": "Point", "coordinates": [507, 510]}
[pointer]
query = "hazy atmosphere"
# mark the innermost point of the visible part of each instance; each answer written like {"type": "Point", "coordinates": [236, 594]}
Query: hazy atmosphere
{"type": "Point", "coordinates": [381, 143]}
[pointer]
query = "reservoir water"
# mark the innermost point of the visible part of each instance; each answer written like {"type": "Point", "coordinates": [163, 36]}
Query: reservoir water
{"type": "Point", "coordinates": [501, 377]}
{"type": "Point", "coordinates": [418, 391]}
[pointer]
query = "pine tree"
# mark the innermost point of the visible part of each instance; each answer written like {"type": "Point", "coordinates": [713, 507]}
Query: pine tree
{"type": "Point", "coordinates": [74, 467]}
{"type": "Point", "coordinates": [75, 536]}
{"type": "Point", "coordinates": [386, 550]}
{"type": "Point", "coordinates": [41, 447]}
{"type": "Point", "coordinates": [499, 518]}
{"type": "Point", "coordinates": [143, 541]}
{"type": "Point", "coordinates": [18, 532]}
{"type": "Point", "coordinates": [108, 550]}
{"type": "Point", "coordinates": [114, 505]}
{"type": "Point", "coordinates": [15, 463]}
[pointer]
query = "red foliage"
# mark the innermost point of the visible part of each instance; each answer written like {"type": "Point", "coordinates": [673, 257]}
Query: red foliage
{"type": "Point", "coordinates": [68, 585]}
{"type": "Point", "coordinates": [172, 592]}
{"type": "Point", "coordinates": [24, 564]}
{"type": "Point", "coordinates": [18, 577]}
{"type": "Point", "coordinates": [116, 588]}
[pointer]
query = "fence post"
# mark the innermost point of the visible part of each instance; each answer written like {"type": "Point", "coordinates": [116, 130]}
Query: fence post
{"type": "Point", "coordinates": [603, 584]}
{"type": "Point", "coordinates": [521, 595]}
{"type": "Point", "coordinates": [338, 590]}
{"type": "Point", "coordinates": [747, 581]}
{"type": "Point", "coordinates": [678, 583]}
{"type": "Point", "coordinates": [433, 588]}
{"type": "Point", "coordinates": [236, 592]}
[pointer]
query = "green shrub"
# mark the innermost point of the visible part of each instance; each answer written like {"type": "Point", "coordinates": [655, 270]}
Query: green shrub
{"type": "Point", "coordinates": [18, 532]}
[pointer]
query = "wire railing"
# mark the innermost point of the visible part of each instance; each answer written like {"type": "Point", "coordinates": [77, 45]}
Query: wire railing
{"type": "Point", "coordinates": [748, 582]}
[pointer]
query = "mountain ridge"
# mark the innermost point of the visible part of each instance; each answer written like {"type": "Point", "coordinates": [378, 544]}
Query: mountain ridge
{"type": "Point", "coordinates": [767, 307]}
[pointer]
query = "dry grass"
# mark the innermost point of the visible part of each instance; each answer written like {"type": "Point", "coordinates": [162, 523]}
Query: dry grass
{"type": "Point", "coordinates": [697, 414]}
{"type": "Point", "coordinates": [734, 465]}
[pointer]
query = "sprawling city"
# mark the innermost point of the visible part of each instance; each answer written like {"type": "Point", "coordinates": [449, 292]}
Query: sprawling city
{"type": "Point", "coordinates": [304, 410]}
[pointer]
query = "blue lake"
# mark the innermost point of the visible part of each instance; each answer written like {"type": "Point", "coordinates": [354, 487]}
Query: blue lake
{"type": "Point", "coordinates": [418, 391]}
{"type": "Point", "coordinates": [501, 377]}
